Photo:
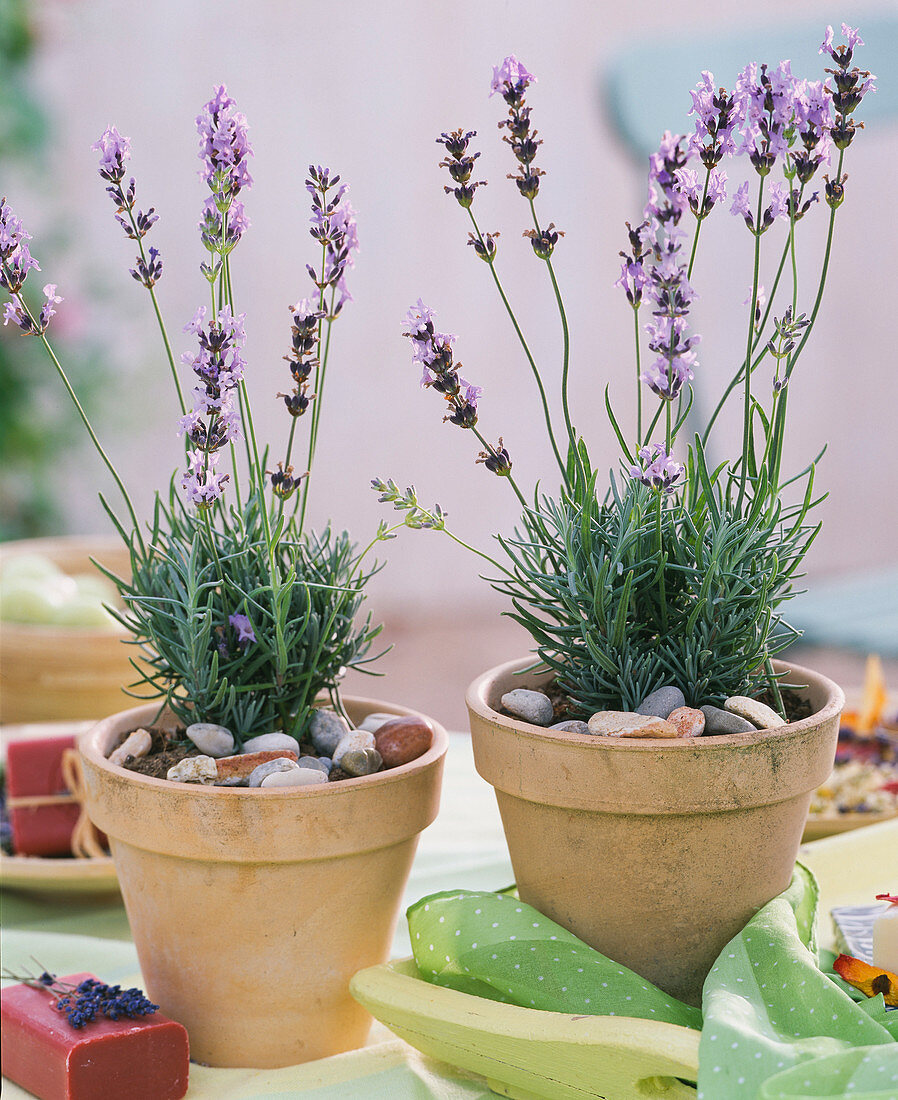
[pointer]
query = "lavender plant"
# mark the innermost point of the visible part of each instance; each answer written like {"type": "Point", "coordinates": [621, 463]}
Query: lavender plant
{"type": "Point", "coordinates": [243, 615]}
{"type": "Point", "coordinates": [676, 571]}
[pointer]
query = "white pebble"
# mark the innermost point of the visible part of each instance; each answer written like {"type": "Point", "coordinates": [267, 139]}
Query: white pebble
{"type": "Point", "coordinates": [374, 721]}
{"type": "Point", "coordinates": [759, 714]}
{"type": "Point", "coordinates": [210, 739]}
{"type": "Point", "coordinates": [269, 767]}
{"type": "Point", "coordinates": [194, 769]}
{"type": "Point", "coordinates": [294, 777]}
{"type": "Point", "coordinates": [271, 741]}
{"type": "Point", "coordinates": [134, 746]}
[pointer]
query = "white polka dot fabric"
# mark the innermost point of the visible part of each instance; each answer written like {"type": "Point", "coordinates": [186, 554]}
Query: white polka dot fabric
{"type": "Point", "coordinates": [775, 1026]}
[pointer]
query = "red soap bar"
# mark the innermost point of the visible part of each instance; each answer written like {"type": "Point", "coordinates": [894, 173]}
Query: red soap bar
{"type": "Point", "coordinates": [145, 1058]}
{"type": "Point", "coordinates": [34, 768]}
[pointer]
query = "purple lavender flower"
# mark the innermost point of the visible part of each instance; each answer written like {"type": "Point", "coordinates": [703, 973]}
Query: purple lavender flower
{"type": "Point", "coordinates": [666, 202]}
{"type": "Point", "coordinates": [715, 122]}
{"type": "Point", "coordinates": [778, 206]}
{"type": "Point", "coordinates": [215, 419]}
{"type": "Point", "coordinates": [244, 629]}
{"type": "Point", "coordinates": [460, 164]}
{"type": "Point", "coordinates": [841, 54]}
{"type": "Point", "coordinates": [333, 226]}
{"type": "Point", "coordinates": [114, 150]}
{"type": "Point", "coordinates": [671, 296]}
{"type": "Point", "coordinates": [511, 79]}
{"type": "Point", "coordinates": [224, 150]}
{"type": "Point", "coordinates": [657, 470]}
{"type": "Point", "coordinates": [633, 276]}
{"type": "Point", "coordinates": [47, 310]}
{"type": "Point", "coordinates": [433, 350]}
{"type": "Point", "coordinates": [15, 258]}
{"type": "Point", "coordinates": [201, 484]}
{"type": "Point", "coordinates": [224, 147]}
{"type": "Point", "coordinates": [741, 206]}
{"type": "Point", "coordinates": [417, 320]}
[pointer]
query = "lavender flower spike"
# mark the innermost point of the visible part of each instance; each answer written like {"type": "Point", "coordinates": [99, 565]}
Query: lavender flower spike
{"type": "Point", "coordinates": [657, 470]}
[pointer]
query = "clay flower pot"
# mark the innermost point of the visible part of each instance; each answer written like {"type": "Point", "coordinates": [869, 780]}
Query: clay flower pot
{"type": "Point", "coordinates": [252, 909]}
{"type": "Point", "coordinates": [50, 672]}
{"type": "Point", "coordinates": [654, 852]}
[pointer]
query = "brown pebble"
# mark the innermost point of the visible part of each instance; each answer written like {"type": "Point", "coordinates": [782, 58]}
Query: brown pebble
{"type": "Point", "coordinates": [403, 739]}
{"type": "Point", "coordinates": [689, 722]}
{"type": "Point", "coordinates": [242, 765]}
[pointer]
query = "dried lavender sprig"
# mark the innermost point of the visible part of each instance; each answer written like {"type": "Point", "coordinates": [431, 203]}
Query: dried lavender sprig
{"type": "Point", "coordinates": [83, 1002]}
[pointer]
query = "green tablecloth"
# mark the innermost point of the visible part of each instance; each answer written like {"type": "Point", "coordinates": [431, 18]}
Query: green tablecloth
{"type": "Point", "coordinates": [464, 845]}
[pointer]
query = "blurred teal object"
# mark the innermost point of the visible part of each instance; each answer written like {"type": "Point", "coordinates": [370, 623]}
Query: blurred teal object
{"type": "Point", "coordinates": [857, 612]}
{"type": "Point", "coordinates": [644, 87]}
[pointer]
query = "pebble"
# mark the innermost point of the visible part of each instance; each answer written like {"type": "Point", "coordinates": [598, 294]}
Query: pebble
{"type": "Point", "coordinates": [626, 723]}
{"type": "Point", "coordinates": [210, 739]}
{"type": "Point", "coordinates": [321, 764]}
{"type": "Point", "coordinates": [373, 722]}
{"type": "Point", "coordinates": [265, 741]}
{"type": "Point", "coordinates": [759, 714]}
{"type": "Point", "coordinates": [531, 706]}
{"type": "Point", "coordinates": [244, 764]}
{"type": "Point", "coordinates": [571, 725]}
{"type": "Point", "coordinates": [719, 722]}
{"type": "Point", "coordinates": [689, 722]}
{"type": "Point", "coordinates": [326, 730]}
{"type": "Point", "coordinates": [661, 702]}
{"type": "Point", "coordinates": [403, 739]}
{"type": "Point", "coordinates": [194, 769]}
{"type": "Point", "coordinates": [294, 777]}
{"type": "Point", "coordinates": [358, 762]}
{"type": "Point", "coordinates": [355, 741]}
{"type": "Point", "coordinates": [281, 764]}
{"type": "Point", "coordinates": [134, 746]}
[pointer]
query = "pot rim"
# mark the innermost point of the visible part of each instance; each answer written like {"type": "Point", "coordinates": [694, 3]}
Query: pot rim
{"type": "Point", "coordinates": [476, 695]}
{"type": "Point", "coordinates": [88, 746]}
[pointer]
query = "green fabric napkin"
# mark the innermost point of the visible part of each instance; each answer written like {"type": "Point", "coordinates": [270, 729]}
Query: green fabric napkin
{"type": "Point", "coordinates": [774, 1025]}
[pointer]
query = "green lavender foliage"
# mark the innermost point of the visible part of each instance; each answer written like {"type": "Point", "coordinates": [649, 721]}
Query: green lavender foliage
{"type": "Point", "coordinates": [642, 589]}
{"type": "Point", "coordinates": [188, 577]}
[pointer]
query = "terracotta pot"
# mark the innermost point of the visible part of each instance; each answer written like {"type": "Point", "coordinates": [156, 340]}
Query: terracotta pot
{"type": "Point", "coordinates": [655, 852]}
{"type": "Point", "coordinates": [252, 909]}
{"type": "Point", "coordinates": [50, 673]}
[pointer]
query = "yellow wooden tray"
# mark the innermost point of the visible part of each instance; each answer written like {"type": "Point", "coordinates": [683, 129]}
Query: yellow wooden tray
{"type": "Point", "coordinates": [37, 875]}
{"type": "Point", "coordinates": [533, 1055]}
